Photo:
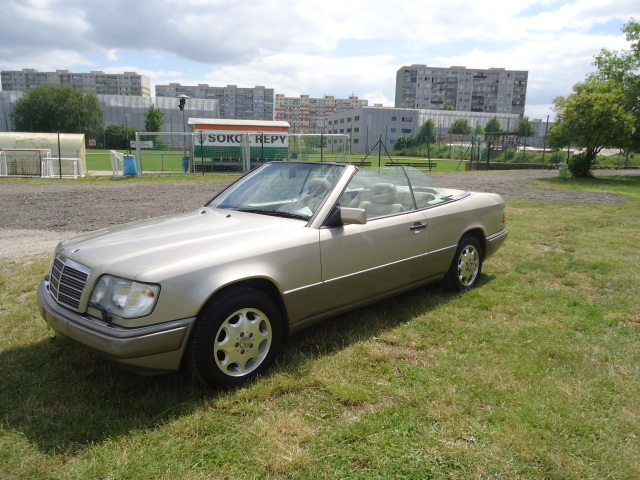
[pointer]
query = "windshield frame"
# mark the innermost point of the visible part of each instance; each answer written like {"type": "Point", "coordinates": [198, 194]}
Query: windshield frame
{"type": "Point", "coordinates": [286, 189]}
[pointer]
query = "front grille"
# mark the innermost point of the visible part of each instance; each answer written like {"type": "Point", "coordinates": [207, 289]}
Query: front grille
{"type": "Point", "coordinates": [67, 282]}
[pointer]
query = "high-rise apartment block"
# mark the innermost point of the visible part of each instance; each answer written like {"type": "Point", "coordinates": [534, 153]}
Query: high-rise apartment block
{"type": "Point", "coordinates": [306, 114]}
{"type": "Point", "coordinates": [127, 83]}
{"type": "Point", "coordinates": [235, 103]}
{"type": "Point", "coordinates": [495, 90]}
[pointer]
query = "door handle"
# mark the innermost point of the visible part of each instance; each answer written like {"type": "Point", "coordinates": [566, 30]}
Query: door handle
{"type": "Point", "coordinates": [417, 227]}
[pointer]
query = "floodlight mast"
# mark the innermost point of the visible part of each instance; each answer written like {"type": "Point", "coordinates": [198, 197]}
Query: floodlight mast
{"type": "Point", "coordinates": [182, 101]}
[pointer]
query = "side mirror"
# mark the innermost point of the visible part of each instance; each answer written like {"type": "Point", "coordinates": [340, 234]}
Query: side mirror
{"type": "Point", "coordinates": [346, 216]}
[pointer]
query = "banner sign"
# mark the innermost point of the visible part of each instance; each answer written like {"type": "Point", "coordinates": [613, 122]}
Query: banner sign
{"type": "Point", "coordinates": [148, 144]}
{"type": "Point", "coordinates": [234, 139]}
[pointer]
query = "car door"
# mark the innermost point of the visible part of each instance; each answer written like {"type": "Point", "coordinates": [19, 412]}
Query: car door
{"type": "Point", "coordinates": [389, 252]}
{"type": "Point", "coordinates": [364, 261]}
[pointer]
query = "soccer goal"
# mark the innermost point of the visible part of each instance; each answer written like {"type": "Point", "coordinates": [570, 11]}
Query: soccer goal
{"type": "Point", "coordinates": [117, 163]}
{"type": "Point", "coordinates": [164, 152]}
{"type": "Point", "coordinates": [37, 162]}
{"type": "Point", "coordinates": [316, 147]}
{"type": "Point", "coordinates": [19, 162]}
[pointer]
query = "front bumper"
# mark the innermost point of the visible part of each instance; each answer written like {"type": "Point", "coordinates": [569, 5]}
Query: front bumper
{"type": "Point", "coordinates": [152, 349]}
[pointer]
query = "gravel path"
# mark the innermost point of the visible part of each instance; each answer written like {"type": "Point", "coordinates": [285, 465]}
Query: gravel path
{"type": "Point", "coordinates": [33, 218]}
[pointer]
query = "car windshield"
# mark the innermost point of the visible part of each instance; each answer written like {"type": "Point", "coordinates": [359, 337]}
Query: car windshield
{"type": "Point", "coordinates": [285, 189]}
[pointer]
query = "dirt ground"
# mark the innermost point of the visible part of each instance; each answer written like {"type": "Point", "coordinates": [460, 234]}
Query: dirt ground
{"type": "Point", "coordinates": [33, 218]}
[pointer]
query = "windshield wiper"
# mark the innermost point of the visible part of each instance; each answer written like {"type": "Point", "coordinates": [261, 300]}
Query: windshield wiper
{"type": "Point", "coordinates": [274, 213]}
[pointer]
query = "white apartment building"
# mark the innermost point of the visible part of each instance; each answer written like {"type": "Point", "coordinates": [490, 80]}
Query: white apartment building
{"type": "Point", "coordinates": [494, 90]}
{"type": "Point", "coordinates": [307, 114]}
{"type": "Point", "coordinates": [127, 83]}
{"type": "Point", "coordinates": [236, 103]}
{"type": "Point", "coordinates": [368, 125]}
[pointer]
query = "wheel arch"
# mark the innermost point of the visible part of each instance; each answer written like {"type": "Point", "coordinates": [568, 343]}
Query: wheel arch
{"type": "Point", "coordinates": [262, 284]}
{"type": "Point", "coordinates": [479, 235]}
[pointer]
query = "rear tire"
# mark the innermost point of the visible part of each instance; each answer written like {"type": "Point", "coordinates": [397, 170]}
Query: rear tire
{"type": "Point", "coordinates": [235, 338]}
{"type": "Point", "coordinates": [466, 266]}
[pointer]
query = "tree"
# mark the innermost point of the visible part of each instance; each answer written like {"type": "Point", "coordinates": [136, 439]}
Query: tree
{"type": "Point", "coordinates": [427, 132]}
{"type": "Point", "coordinates": [493, 126]}
{"type": "Point", "coordinates": [409, 141]}
{"type": "Point", "coordinates": [525, 128]}
{"type": "Point", "coordinates": [154, 120]}
{"type": "Point", "coordinates": [119, 136]}
{"type": "Point", "coordinates": [479, 130]}
{"type": "Point", "coordinates": [622, 68]}
{"type": "Point", "coordinates": [593, 117]}
{"type": "Point", "coordinates": [460, 126]}
{"type": "Point", "coordinates": [49, 108]}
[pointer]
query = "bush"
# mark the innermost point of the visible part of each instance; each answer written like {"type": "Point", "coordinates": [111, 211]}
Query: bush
{"type": "Point", "coordinates": [557, 157]}
{"type": "Point", "coordinates": [580, 166]}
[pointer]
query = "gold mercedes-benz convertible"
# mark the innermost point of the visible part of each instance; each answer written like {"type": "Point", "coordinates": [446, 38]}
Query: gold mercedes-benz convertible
{"type": "Point", "coordinates": [285, 246]}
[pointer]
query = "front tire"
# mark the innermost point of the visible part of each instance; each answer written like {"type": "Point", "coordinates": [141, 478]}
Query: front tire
{"type": "Point", "coordinates": [235, 338]}
{"type": "Point", "coordinates": [466, 266]}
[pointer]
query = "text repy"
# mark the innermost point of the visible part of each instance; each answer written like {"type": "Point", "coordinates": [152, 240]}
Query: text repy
{"type": "Point", "coordinates": [237, 138]}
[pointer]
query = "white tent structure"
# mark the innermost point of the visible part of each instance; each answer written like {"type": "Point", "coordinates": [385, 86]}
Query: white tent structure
{"type": "Point", "coordinates": [36, 154]}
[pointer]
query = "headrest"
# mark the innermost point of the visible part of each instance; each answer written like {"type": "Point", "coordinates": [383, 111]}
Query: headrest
{"type": "Point", "coordinates": [383, 193]}
{"type": "Point", "coordinates": [318, 186]}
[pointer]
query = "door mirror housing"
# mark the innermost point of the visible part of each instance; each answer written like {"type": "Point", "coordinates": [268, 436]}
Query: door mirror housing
{"type": "Point", "coordinates": [341, 216]}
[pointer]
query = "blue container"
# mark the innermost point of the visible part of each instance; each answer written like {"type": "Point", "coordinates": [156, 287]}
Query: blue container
{"type": "Point", "coordinates": [129, 166]}
{"type": "Point", "coordinates": [185, 163]}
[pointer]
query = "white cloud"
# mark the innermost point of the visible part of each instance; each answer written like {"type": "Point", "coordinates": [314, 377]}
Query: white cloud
{"type": "Point", "coordinates": [296, 74]}
{"type": "Point", "coordinates": [310, 47]}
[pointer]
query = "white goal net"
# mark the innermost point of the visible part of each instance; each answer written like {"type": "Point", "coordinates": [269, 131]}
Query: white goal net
{"type": "Point", "coordinates": [37, 162]}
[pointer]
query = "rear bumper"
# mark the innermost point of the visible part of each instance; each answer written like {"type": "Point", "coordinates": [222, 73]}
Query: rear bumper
{"type": "Point", "coordinates": [153, 349]}
{"type": "Point", "coordinates": [495, 241]}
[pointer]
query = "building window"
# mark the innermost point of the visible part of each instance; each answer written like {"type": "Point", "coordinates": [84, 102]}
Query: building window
{"type": "Point", "coordinates": [393, 119]}
{"type": "Point", "coordinates": [393, 130]}
{"type": "Point", "coordinates": [407, 119]}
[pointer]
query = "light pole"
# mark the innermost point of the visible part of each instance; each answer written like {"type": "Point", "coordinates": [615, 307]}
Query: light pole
{"type": "Point", "coordinates": [202, 151]}
{"type": "Point", "coordinates": [182, 100]}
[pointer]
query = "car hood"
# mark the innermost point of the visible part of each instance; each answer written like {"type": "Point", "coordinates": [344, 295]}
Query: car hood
{"type": "Point", "coordinates": [133, 248]}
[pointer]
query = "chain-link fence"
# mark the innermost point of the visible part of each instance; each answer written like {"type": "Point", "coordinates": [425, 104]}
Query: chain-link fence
{"type": "Point", "coordinates": [232, 152]}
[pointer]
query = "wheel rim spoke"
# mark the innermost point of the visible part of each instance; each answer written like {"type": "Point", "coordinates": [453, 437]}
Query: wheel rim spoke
{"type": "Point", "coordinates": [242, 342]}
{"type": "Point", "coordinates": [468, 265]}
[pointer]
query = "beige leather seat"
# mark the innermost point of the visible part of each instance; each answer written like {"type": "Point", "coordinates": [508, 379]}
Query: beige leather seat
{"type": "Point", "coordinates": [383, 200]}
{"type": "Point", "coordinates": [315, 192]}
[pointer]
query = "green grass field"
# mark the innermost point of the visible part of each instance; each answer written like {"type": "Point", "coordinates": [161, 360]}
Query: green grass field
{"type": "Point", "coordinates": [533, 375]}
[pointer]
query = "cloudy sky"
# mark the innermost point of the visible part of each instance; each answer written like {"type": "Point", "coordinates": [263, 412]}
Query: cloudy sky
{"type": "Point", "coordinates": [320, 47]}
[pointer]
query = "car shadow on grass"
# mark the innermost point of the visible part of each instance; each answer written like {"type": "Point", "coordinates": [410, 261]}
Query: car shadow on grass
{"type": "Point", "coordinates": [63, 398]}
{"type": "Point", "coordinates": [337, 333]}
